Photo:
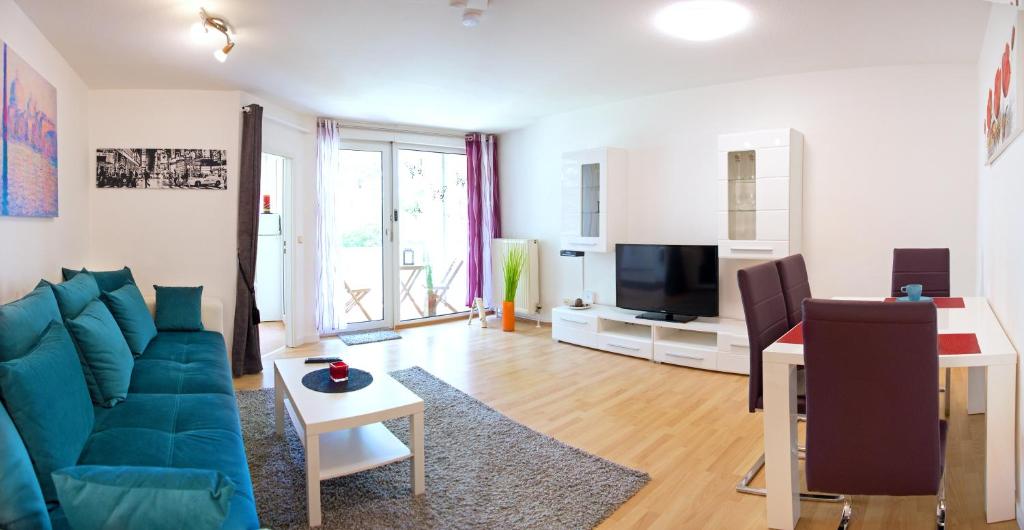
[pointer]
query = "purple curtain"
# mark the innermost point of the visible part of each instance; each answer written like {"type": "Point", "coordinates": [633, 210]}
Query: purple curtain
{"type": "Point", "coordinates": [484, 213]}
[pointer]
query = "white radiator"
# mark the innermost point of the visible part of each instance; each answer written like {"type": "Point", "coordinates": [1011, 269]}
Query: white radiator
{"type": "Point", "coordinates": [528, 293]}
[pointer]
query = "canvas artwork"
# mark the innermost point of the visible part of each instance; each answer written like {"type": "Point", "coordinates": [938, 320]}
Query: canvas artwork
{"type": "Point", "coordinates": [162, 168]}
{"type": "Point", "coordinates": [28, 168]}
{"type": "Point", "coordinates": [1003, 104]}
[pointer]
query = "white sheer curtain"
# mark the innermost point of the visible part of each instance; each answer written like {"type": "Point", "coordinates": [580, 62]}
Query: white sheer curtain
{"type": "Point", "coordinates": [330, 291]}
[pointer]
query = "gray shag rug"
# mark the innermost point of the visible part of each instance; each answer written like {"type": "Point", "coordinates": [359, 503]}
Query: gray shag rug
{"type": "Point", "coordinates": [377, 335]}
{"type": "Point", "coordinates": [483, 470]}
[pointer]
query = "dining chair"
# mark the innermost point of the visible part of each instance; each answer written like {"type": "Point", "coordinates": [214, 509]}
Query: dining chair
{"type": "Point", "coordinates": [890, 440]}
{"type": "Point", "coordinates": [764, 308]}
{"type": "Point", "coordinates": [930, 268]}
{"type": "Point", "coordinates": [795, 286]}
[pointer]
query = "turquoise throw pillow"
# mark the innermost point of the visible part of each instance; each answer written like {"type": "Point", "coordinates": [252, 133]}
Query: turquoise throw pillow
{"type": "Point", "coordinates": [179, 308]}
{"type": "Point", "coordinates": [76, 293]}
{"type": "Point", "coordinates": [132, 316]}
{"type": "Point", "coordinates": [107, 360]}
{"type": "Point", "coordinates": [45, 394]}
{"type": "Point", "coordinates": [155, 498]}
{"type": "Point", "coordinates": [21, 506]}
{"type": "Point", "coordinates": [22, 322]}
{"type": "Point", "coordinates": [107, 280]}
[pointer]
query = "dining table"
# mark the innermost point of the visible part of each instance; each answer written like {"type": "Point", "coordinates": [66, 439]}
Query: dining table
{"type": "Point", "coordinates": [970, 336]}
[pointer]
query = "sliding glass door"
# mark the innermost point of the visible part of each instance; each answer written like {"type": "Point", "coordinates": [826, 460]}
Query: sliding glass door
{"type": "Point", "coordinates": [433, 231]}
{"type": "Point", "coordinates": [401, 213]}
{"type": "Point", "coordinates": [363, 211]}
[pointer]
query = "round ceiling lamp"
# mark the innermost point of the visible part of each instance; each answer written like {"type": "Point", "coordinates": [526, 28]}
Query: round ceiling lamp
{"type": "Point", "coordinates": [702, 20]}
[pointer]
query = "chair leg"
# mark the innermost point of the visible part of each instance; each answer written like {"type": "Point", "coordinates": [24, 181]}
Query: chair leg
{"type": "Point", "coordinates": [940, 508]}
{"type": "Point", "coordinates": [949, 376]}
{"type": "Point", "coordinates": [844, 522]}
{"type": "Point", "coordinates": [743, 486]}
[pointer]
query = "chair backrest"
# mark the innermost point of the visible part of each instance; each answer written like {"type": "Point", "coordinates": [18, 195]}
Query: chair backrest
{"type": "Point", "coordinates": [795, 285]}
{"type": "Point", "coordinates": [926, 266]}
{"type": "Point", "coordinates": [764, 309]}
{"type": "Point", "coordinates": [871, 371]}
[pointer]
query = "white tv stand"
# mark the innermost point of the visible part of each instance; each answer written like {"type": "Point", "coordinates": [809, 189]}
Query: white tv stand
{"type": "Point", "coordinates": [708, 343]}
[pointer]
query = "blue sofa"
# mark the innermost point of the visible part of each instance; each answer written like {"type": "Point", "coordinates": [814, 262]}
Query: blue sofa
{"type": "Point", "coordinates": [180, 412]}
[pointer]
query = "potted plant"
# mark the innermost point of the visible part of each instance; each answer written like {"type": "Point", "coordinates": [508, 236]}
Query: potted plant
{"type": "Point", "coordinates": [515, 260]}
{"type": "Point", "coordinates": [431, 295]}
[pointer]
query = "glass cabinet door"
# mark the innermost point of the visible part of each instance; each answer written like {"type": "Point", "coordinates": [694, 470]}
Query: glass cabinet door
{"type": "Point", "coordinates": [590, 200]}
{"type": "Point", "coordinates": [742, 195]}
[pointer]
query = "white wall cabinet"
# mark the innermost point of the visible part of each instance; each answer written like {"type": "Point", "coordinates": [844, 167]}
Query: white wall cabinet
{"type": "Point", "coordinates": [593, 199]}
{"type": "Point", "coordinates": [760, 183]}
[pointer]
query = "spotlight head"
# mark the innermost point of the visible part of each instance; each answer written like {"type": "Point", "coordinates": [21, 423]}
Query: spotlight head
{"type": "Point", "coordinates": [222, 54]}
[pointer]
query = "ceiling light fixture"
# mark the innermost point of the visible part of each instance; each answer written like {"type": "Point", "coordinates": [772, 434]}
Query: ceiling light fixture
{"type": "Point", "coordinates": [702, 20]}
{"type": "Point", "coordinates": [472, 10]}
{"type": "Point", "coordinates": [221, 25]}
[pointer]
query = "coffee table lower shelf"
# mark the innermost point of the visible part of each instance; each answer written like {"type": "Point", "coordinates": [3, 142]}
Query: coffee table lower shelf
{"type": "Point", "coordinates": [356, 449]}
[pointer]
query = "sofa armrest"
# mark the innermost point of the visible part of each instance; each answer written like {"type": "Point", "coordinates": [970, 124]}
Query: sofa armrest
{"type": "Point", "coordinates": [212, 312]}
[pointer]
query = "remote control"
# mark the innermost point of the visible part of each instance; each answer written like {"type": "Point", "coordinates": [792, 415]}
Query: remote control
{"type": "Point", "coordinates": [322, 360]}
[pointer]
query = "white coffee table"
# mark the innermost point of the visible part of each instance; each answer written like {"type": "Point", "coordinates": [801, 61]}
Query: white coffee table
{"type": "Point", "coordinates": [343, 433]}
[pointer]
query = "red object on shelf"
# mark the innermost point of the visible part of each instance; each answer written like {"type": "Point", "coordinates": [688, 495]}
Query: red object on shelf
{"type": "Point", "coordinates": [958, 343]}
{"type": "Point", "coordinates": [266, 204]}
{"type": "Point", "coordinates": [338, 371]}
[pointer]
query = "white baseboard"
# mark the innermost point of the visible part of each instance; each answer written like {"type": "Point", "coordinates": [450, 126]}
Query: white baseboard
{"type": "Point", "coordinates": [1020, 516]}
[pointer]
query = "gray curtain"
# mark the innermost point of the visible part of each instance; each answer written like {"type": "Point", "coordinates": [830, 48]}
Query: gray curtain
{"type": "Point", "coordinates": [245, 352]}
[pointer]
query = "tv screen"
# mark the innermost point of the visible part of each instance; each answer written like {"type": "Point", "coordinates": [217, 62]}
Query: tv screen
{"type": "Point", "coordinates": [671, 281]}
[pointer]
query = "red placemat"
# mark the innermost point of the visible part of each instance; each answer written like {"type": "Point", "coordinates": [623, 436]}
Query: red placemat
{"type": "Point", "coordinates": [949, 343]}
{"type": "Point", "coordinates": [794, 336]}
{"type": "Point", "coordinates": [958, 343]}
{"type": "Point", "coordinates": [942, 302]}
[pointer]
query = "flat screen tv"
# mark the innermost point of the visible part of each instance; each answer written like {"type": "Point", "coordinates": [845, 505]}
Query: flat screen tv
{"type": "Point", "coordinates": [676, 283]}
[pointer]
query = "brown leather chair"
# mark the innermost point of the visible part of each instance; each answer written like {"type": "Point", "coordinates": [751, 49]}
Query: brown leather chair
{"type": "Point", "coordinates": [926, 266]}
{"type": "Point", "coordinates": [930, 268]}
{"type": "Point", "coordinates": [795, 286]}
{"type": "Point", "coordinates": [890, 440]}
{"type": "Point", "coordinates": [764, 308]}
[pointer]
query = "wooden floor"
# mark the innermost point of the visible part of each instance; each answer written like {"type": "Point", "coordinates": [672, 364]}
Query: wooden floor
{"type": "Point", "coordinates": [689, 429]}
{"type": "Point", "coordinates": [271, 337]}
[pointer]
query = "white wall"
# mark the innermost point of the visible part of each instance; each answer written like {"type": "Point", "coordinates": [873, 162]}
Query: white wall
{"type": "Point", "coordinates": [889, 161]}
{"type": "Point", "coordinates": [168, 237]}
{"type": "Point", "coordinates": [36, 248]}
{"type": "Point", "coordinates": [1000, 221]}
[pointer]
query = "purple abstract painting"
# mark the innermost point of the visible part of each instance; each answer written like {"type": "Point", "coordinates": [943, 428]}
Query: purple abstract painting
{"type": "Point", "coordinates": [28, 167]}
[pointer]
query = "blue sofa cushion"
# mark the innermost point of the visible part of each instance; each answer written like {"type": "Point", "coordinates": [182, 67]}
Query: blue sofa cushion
{"type": "Point", "coordinates": [45, 394]}
{"type": "Point", "coordinates": [179, 308]}
{"type": "Point", "coordinates": [76, 293]}
{"type": "Point", "coordinates": [107, 280]}
{"type": "Point", "coordinates": [117, 497]}
{"type": "Point", "coordinates": [105, 356]}
{"type": "Point", "coordinates": [198, 431]}
{"type": "Point", "coordinates": [132, 316]}
{"type": "Point", "coordinates": [177, 362]}
{"type": "Point", "coordinates": [21, 505]}
{"type": "Point", "coordinates": [22, 322]}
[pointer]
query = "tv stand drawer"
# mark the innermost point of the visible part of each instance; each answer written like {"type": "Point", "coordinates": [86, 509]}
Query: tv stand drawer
{"type": "Point", "coordinates": [692, 357]}
{"type": "Point", "coordinates": [574, 320]}
{"type": "Point", "coordinates": [572, 336]}
{"type": "Point", "coordinates": [625, 346]}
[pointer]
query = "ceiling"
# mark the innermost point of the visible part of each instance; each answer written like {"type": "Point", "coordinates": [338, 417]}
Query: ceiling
{"type": "Point", "coordinates": [412, 62]}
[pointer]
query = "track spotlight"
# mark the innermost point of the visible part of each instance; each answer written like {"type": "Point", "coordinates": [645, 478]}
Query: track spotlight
{"type": "Point", "coordinates": [222, 26]}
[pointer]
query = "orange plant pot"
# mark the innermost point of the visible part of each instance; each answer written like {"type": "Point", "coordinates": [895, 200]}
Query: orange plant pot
{"type": "Point", "coordinates": [508, 316]}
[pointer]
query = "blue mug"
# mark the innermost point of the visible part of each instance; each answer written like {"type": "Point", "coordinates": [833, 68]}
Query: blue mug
{"type": "Point", "coordinates": [913, 291]}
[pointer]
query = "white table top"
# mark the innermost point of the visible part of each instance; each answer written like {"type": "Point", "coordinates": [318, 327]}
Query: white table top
{"type": "Point", "coordinates": [975, 317]}
{"type": "Point", "coordinates": [320, 412]}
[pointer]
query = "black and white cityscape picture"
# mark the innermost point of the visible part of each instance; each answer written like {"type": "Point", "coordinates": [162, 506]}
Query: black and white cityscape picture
{"type": "Point", "coordinates": [162, 168]}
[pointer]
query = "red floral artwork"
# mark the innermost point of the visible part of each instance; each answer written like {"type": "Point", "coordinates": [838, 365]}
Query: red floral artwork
{"type": "Point", "coordinates": [997, 102]}
{"type": "Point", "coordinates": [1006, 70]}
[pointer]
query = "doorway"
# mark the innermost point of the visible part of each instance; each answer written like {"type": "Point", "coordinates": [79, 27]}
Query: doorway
{"type": "Point", "coordinates": [271, 254]}
{"type": "Point", "coordinates": [401, 213]}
